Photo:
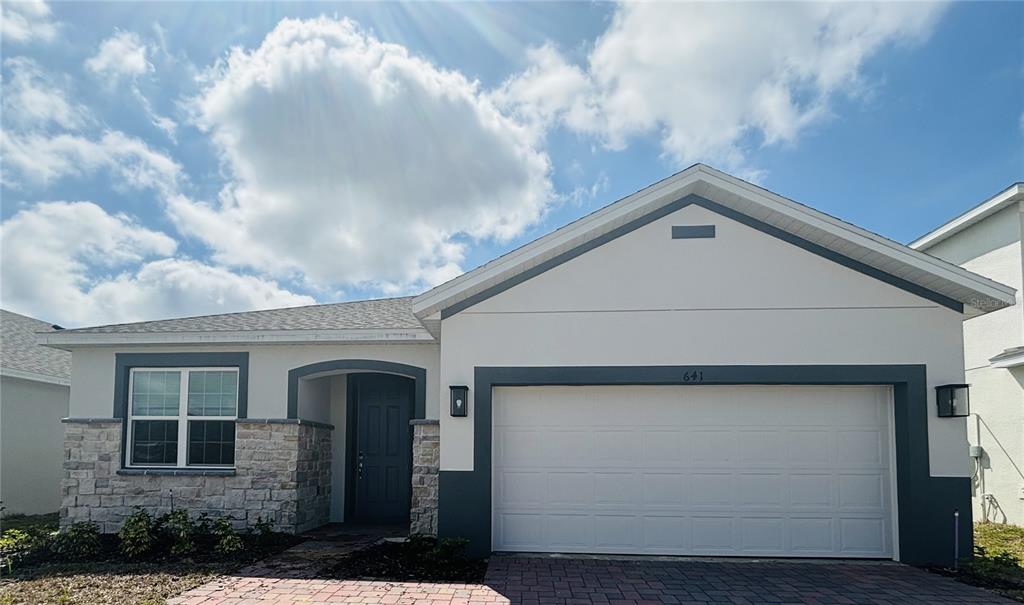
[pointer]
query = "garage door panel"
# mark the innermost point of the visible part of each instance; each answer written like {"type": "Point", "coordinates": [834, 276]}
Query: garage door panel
{"type": "Point", "coordinates": [810, 448]}
{"type": "Point", "coordinates": [568, 531]}
{"type": "Point", "coordinates": [763, 447]}
{"type": "Point", "coordinates": [661, 489]}
{"type": "Point", "coordinates": [860, 448]}
{"type": "Point", "coordinates": [813, 536]}
{"type": "Point", "coordinates": [864, 492]}
{"type": "Point", "coordinates": [762, 534]}
{"type": "Point", "coordinates": [808, 491]}
{"type": "Point", "coordinates": [661, 470]}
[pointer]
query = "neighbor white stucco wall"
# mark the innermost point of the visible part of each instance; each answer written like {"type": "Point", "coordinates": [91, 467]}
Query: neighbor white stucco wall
{"type": "Point", "coordinates": [92, 372]}
{"type": "Point", "coordinates": [31, 445]}
{"type": "Point", "coordinates": [741, 298]}
{"type": "Point", "coordinates": [992, 247]}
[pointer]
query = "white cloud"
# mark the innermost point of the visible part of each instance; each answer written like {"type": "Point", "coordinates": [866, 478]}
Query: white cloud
{"type": "Point", "coordinates": [168, 126]}
{"type": "Point", "coordinates": [33, 99]}
{"type": "Point", "coordinates": [550, 89]}
{"type": "Point", "coordinates": [354, 162]}
{"type": "Point", "coordinates": [121, 55]}
{"type": "Point", "coordinates": [706, 77]}
{"type": "Point", "coordinates": [26, 21]}
{"type": "Point", "coordinates": [74, 263]}
{"type": "Point", "coordinates": [42, 159]}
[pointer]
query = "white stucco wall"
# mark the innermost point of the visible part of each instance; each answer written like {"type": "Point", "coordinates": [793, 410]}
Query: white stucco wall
{"type": "Point", "coordinates": [314, 401]}
{"type": "Point", "coordinates": [31, 445]}
{"type": "Point", "coordinates": [741, 298]}
{"type": "Point", "coordinates": [92, 372]}
{"type": "Point", "coordinates": [992, 248]}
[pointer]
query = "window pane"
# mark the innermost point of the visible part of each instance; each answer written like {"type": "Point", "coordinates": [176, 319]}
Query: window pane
{"type": "Point", "coordinates": [212, 393]}
{"type": "Point", "coordinates": [156, 393]}
{"type": "Point", "coordinates": [211, 442]}
{"type": "Point", "coordinates": [155, 442]}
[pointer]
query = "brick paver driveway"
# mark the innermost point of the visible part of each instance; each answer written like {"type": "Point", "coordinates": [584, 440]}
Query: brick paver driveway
{"type": "Point", "coordinates": [588, 581]}
{"type": "Point", "coordinates": [565, 581]}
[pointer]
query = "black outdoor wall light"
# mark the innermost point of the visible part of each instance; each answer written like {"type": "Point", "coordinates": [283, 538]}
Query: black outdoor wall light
{"type": "Point", "coordinates": [954, 400]}
{"type": "Point", "coordinates": [460, 400]}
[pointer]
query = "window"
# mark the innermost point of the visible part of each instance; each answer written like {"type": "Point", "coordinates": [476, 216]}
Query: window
{"type": "Point", "coordinates": [182, 416]}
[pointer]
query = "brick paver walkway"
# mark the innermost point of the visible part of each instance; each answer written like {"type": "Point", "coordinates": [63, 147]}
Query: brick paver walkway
{"type": "Point", "coordinates": [564, 581]}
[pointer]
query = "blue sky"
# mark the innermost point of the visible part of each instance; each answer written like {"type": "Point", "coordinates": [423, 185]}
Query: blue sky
{"type": "Point", "coordinates": [165, 159]}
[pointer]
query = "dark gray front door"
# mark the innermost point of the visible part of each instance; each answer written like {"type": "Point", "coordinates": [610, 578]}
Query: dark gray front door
{"type": "Point", "coordinates": [383, 453]}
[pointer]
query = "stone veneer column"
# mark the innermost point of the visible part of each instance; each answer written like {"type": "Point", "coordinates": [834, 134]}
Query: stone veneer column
{"type": "Point", "coordinates": [426, 459]}
{"type": "Point", "coordinates": [282, 473]}
{"type": "Point", "coordinates": [313, 477]}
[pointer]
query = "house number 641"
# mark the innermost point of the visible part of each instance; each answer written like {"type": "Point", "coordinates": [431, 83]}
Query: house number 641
{"type": "Point", "coordinates": [695, 376]}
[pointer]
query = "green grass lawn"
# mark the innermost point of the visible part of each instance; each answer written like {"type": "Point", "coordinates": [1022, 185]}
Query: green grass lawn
{"type": "Point", "coordinates": [998, 560]}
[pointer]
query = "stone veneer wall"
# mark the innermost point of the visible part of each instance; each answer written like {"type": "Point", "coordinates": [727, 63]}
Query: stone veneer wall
{"type": "Point", "coordinates": [426, 460]}
{"type": "Point", "coordinates": [282, 472]}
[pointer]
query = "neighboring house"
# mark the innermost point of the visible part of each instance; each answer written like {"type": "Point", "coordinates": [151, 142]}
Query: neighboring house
{"type": "Point", "coordinates": [701, 368]}
{"type": "Point", "coordinates": [33, 399]}
{"type": "Point", "coordinates": [987, 240]}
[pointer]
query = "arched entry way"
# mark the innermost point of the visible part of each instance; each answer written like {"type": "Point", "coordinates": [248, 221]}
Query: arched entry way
{"type": "Point", "coordinates": [369, 403]}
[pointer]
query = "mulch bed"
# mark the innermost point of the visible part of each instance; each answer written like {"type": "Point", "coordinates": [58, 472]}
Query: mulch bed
{"type": "Point", "coordinates": [106, 583]}
{"type": "Point", "coordinates": [411, 561]}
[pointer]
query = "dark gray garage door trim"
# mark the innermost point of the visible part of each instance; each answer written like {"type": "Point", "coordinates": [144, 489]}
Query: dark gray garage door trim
{"type": "Point", "coordinates": [925, 503]}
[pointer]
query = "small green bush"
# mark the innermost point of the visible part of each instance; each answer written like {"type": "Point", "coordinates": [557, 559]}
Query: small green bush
{"type": "Point", "coordinates": [138, 534]}
{"type": "Point", "coordinates": [228, 542]}
{"type": "Point", "coordinates": [181, 531]}
{"type": "Point", "coordinates": [79, 541]}
{"type": "Point", "coordinates": [451, 551]}
{"type": "Point", "coordinates": [262, 532]}
{"type": "Point", "coordinates": [17, 545]}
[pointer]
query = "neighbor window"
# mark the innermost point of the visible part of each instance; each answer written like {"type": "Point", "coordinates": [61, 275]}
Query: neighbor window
{"type": "Point", "coordinates": [182, 416]}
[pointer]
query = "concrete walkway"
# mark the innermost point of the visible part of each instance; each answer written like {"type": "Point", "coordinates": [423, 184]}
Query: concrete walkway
{"type": "Point", "coordinates": [289, 579]}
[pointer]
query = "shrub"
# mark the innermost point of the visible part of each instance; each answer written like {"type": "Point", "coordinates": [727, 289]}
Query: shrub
{"type": "Point", "coordinates": [79, 541]}
{"type": "Point", "coordinates": [181, 531]}
{"type": "Point", "coordinates": [451, 549]}
{"type": "Point", "coordinates": [262, 532]}
{"type": "Point", "coordinates": [18, 545]}
{"type": "Point", "coordinates": [228, 542]}
{"type": "Point", "coordinates": [138, 534]}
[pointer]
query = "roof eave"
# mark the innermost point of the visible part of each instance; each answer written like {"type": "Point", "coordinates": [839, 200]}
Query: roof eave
{"type": "Point", "coordinates": [988, 295]}
{"type": "Point", "coordinates": [68, 341]}
{"type": "Point", "coordinates": [442, 296]}
{"type": "Point", "coordinates": [1012, 194]}
{"type": "Point", "coordinates": [34, 376]}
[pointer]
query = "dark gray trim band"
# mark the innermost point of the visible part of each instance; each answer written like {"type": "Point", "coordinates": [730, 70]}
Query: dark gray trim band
{"type": "Point", "coordinates": [693, 231]}
{"type": "Point", "coordinates": [719, 209]}
{"type": "Point", "coordinates": [424, 421]}
{"type": "Point", "coordinates": [301, 421]}
{"type": "Point", "coordinates": [925, 503]}
{"type": "Point", "coordinates": [419, 376]}
{"type": "Point", "coordinates": [90, 420]}
{"type": "Point", "coordinates": [177, 472]}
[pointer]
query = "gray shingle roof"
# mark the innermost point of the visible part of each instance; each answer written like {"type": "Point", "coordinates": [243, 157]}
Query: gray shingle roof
{"type": "Point", "coordinates": [387, 313]}
{"type": "Point", "coordinates": [19, 351]}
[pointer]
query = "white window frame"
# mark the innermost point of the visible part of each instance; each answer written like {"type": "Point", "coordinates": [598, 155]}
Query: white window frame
{"type": "Point", "coordinates": [182, 417]}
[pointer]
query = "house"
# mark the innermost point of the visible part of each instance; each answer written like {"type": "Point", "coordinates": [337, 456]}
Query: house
{"type": "Point", "coordinates": [986, 240]}
{"type": "Point", "coordinates": [703, 367]}
{"type": "Point", "coordinates": [33, 399]}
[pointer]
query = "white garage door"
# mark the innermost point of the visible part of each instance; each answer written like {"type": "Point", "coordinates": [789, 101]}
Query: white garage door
{"type": "Point", "coordinates": [698, 470]}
